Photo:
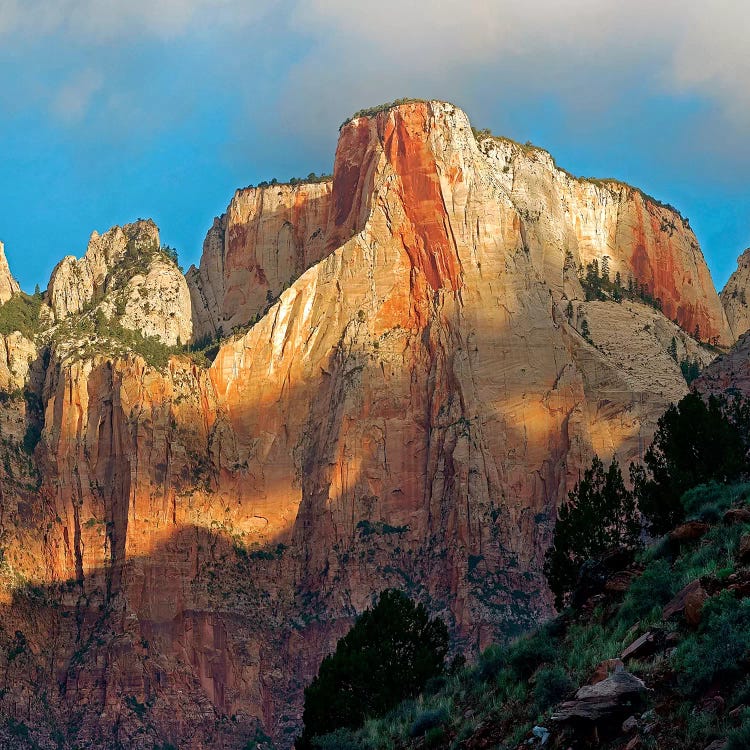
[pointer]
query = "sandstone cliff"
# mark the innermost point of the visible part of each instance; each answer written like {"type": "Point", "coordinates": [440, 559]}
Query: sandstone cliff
{"type": "Point", "coordinates": [734, 296]}
{"type": "Point", "coordinates": [126, 276]}
{"type": "Point", "coordinates": [264, 241]}
{"type": "Point", "coordinates": [187, 543]}
{"type": "Point", "coordinates": [8, 285]}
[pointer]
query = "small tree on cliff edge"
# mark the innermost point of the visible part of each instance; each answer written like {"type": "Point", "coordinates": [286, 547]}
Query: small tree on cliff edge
{"type": "Point", "coordinates": [389, 655]}
{"type": "Point", "coordinates": [600, 516]}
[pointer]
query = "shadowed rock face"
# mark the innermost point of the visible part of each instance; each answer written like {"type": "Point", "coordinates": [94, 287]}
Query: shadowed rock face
{"type": "Point", "coordinates": [734, 296]}
{"type": "Point", "coordinates": [408, 413]}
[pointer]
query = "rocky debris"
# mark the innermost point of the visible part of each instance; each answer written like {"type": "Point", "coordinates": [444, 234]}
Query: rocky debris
{"type": "Point", "coordinates": [737, 582]}
{"type": "Point", "coordinates": [712, 704]}
{"type": "Point", "coordinates": [688, 601]}
{"type": "Point", "coordinates": [612, 573]}
{"type": "Point", "coordinates": [737, 515]}
{"type": "Point", "coordinates": [743, 550]}
{"type": "Point", "coordinates": [542, 734]}
{"type": "Point", "coordinates": [689, 532]}
{"type": "Point", "coordinates": [629, 725]}
{"type": "Point", "coordinates": [8, 285]}
{"type": "Point", "coordinates": [620, 582]}
{"type": "Point", "coordinates": [605, 702]}
{"type": "Point", "coordinates": [605, 669]}
{"type": "Point", "coordinates": [647, 645]}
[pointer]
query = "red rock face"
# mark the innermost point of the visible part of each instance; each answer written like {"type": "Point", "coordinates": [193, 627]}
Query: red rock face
{"type": "Point", "coordinates": [658, 260]}
{"type": "Point", "coordinates": [424, 233]}
{"type": "Point", "coordinates": [408, 414]}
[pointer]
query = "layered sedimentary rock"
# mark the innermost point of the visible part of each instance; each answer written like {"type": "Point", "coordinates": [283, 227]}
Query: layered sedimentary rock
{"type": "Point", "coordinates": [125, 275]}
{"type": "Point", "coordinates": [409, 413]}
{"type": "Point", "coordinates": [643, 239]}
{"type": "Point", "coordinates": [254, 251]}
{"type": "Point", "coordinates": [734, 296]}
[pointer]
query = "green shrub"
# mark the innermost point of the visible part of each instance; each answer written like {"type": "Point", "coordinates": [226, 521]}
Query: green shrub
{"type": "Point", "coordinates": [551, 686]}
{"type": "Point", "coordinates": [714, 496]}
{"type": "Point", "coordinates": [739, 739]}
{"type": "Point", "coordinates": [427, 720]}
{"type": "Point", "coordinates": [341, 739]}
{"type": "Point", "coordinates": [491, 662]}
{"type": "Point", "coordinates": [719, 648]}
{"type": "Point", "coordinates": [652, 589]}
{"type": "Point", "coordinates": [21, 313]}
{"type": "Point", "coordinates": [695, 443]}
{"type": "Point", "coordinates": [434, 737]}
{"type": "Point", "coordinates": [528, 653]}
{"type": "Point", "coordinates": [373, 111]}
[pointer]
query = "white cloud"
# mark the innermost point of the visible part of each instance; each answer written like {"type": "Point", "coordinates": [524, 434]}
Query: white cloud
{"type": "Point", "coordinates": [100, 20]}
{"type": "Point", "coordinates": [692, 47]}
{"type": "Point", "coordinates": [72, 100]}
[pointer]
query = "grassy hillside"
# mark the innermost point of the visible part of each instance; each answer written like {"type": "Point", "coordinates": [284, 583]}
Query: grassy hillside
{"type": "Point", "coordinates": [693, 658]}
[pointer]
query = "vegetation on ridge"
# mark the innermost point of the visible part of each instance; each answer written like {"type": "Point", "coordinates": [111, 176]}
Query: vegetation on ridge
{"type": "Point", "coordinates": [373, 111]}
{"type": "Point", "coordinates": [528, 148]}
{"type": "Point", "coordinates": [21, 313]}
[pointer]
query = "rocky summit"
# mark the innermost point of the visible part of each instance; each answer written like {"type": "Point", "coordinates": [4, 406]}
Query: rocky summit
{"type": "Point", "coordinates": [408, 367]}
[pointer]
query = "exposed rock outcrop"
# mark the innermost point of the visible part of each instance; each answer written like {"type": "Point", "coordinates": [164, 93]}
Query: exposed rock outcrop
{"type": "Point", "coordinates": [254, 251]}
{"type": "Point", "coordinates": [734, 296]}
{"type": "Point", "coordinates": [8, 285]}
{"type": "Point", "coordinates": [125, 275]}
{"type": "Point", "coordinates": [409, 413]}
{"type": "Point", "coordinates": [608, 701]}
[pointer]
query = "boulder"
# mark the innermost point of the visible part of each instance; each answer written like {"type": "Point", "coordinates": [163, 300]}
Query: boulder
{"type": "Point", "coordinates": [689, 531]}
{"type": "Point", "coordinates": [605, 669]}
{"type": "Point", "coordinates": [737, 515]}
{"type": "Point", "coordinates": [608, 701]}
{"type": "Point", "coordinates": [694, 592]}
{"type": "Point", "coordinates": [694, 601]}
{"type": "Point", "coordinates": [649, 643]}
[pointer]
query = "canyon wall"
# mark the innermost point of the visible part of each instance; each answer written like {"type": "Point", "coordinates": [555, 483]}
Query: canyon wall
{"type": "Point", "coordinates": [407, 404]}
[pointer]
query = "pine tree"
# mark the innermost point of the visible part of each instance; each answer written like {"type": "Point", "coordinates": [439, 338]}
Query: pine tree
{"type": "Point", "coordinates": [585, 330]}
{"type": "Point", "coordinates": [672, 349]}
{"type": "Point", "coordinates": [695, 443]}
{"type": "Point", "coordinates": [600, 516]}
{"type": "Point", "coordinates": [569, 312]}
{"type": "Point", "coordinates": [389, 655]}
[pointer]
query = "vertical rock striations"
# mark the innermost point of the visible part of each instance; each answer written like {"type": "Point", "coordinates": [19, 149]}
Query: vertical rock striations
{"type": "Point", "coordinates": [734, 296]}
{"type": "Point", "coordinates": [409, 407]}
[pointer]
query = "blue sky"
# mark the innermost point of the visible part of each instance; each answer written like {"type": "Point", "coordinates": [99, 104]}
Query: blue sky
{"type": "Point", "coordinates": [110, 110]}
